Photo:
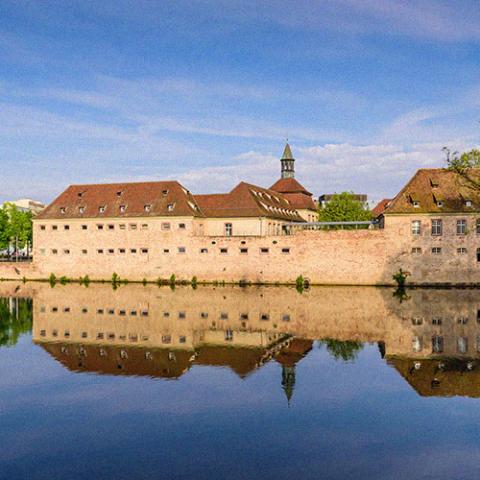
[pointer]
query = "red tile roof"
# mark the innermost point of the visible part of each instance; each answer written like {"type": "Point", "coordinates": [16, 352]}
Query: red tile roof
{"type": "Point", "coordinates": [430, 186]}
{"type": "Point", "coordinates": [380, 207]}
{"type": "Point", "coordinates": [295, 193]}
{"type": "Point", "coordinates": [143, 199]}
{"type": "Point", "coordinates": [247, 200]}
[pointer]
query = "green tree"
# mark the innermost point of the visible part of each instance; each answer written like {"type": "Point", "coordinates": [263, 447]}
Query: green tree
{"type": "Point", "coordinates": [19, 228]}
{"type": "Point", "coordinates": [4, 229]}
{"type": "Point", "coordinates": [344, 207]}
{"type": "Point", "coordinates": [15, 319]}
{"type": "Point", "coordinates": [465, 164]}
{"type": "Point", "coordinates": [346, 351]}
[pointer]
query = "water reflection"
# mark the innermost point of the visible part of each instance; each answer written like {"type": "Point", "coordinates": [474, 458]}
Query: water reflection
{"type": "Point", "coordinates": [432, 338]}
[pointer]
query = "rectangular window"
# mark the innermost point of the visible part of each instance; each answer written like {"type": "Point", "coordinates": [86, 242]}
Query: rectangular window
{"type": "Point", "coordinates": [181, 250]}
{"type": "Point", "coordinates": [182, 226]}
{"type": "Point", "coordinates": [84, 227]}
{"type": "Point", "coordinates": [478, 254]}
{"type": "Point", "coordinates": [182, 315]}
{"type": "Point", "coordinates": [416, 250]}
{"type": "Point", "coordinates": [121, 250]}
{"type": "Point", "coordinates": [228, 229]}
{"type": "Point", "coordinates": [111, 227]}
{"type": "Point", "coordinates": [224, 250]}
{"type": "Point", "coordinates": [144, 250]}
{"type": "Point", "coordinates": [81, 209]}
{"type": "Point", "coordinates": [111, 251]}
{"type": "Point", "coordinates": [228, 335]}
{"type": "Point", "coordinates": [54, 251]}
{"type": "Point", "coordinates": [204, 250]}
{"type": "Point", "coordinates": [436, 251]}
{"type": "Point", "coordinates": [123, 208]}
{"type": "Point", "coordinates": [122, 226]}
{"type": "Point", "coordinates": [170, 207]}
{"type": "Point", "coordinates": [144, 226]}
{"type": "Point", "coordinates": [133, 226]}
{"type": "Point", "coordinates": [416, 227]}
{"type": "Point", "coordinates": [133, 250]}
{"type": "Point", "coordinates": [477, 226]}
{"type": "Point", "coordinates": [101, 209]}
{"type": "Point", "coordinates": [66, 251]}
{"type": "Point", "coordinates": [244, 250]}
{"type": "Point", "coordinates": [264, 250]}
{"type": "Point", "coordinates": [165, 226]}
{"type": "Point", "coordinates": [166, 250]}
{"type": "Point", "coordinates": [66, 227]}
{"type": "Point", "coordinates": [147, 207]}
{"type": "Point", "coordinates": [99, 226]}
{"type": "Point", "coordinates": [286, 250]}
{"type": "Point", "coordinates": [264, 316]}
{"type": "Point", "coordinates": [436, 227]}
{"type": "Point", "coordinates": [42, 251]}
{"type": "Point", "coordinates": [100, 250]}
{"type": "Point", "coordinates": [461, 227]}
{"type": "Point", "coordinates": [42, 227]}
{"type": "Point", "coordinates": [54, 227]}
{"type": "Point", "coordinates": [461, 251]}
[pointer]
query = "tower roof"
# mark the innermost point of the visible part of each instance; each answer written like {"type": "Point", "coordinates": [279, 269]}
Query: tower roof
{"type": "Point", "coordinates": [287, 153]}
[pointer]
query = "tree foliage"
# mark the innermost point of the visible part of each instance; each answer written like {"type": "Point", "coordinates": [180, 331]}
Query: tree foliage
{"type": "Point", "coordinates": [15, 321]}
{"type": "Point", "coordinates": [463, 163]}
{"type": "Point", "coordinates": [344, 207]}
{"type": "Point", "coordinates": [346, 351]}
{"type": "Point", "coordinates": [15, 227]}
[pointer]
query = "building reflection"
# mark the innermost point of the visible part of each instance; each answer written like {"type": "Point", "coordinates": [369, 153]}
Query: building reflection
{"type": "Point", "coordinates": [432, 338]}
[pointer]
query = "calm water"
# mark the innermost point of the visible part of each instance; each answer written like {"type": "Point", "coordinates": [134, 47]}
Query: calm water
{"type": "Point", "coordinates": [146, 382]}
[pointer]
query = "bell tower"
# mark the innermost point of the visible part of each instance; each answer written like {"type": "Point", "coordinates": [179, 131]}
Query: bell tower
{"type": "Point", "coordinates": [288, 163]}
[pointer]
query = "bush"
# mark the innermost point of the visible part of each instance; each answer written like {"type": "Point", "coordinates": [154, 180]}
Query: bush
{"type": "Point", "coordinates": [52, 279]}
{"type": "Point", "coordinates": [172, 279]}
{"type": "Point", "coordinates": [401, 277]}
{"type": "Point", "coordinates": [194, 282]}
{"type": "Point", "coordinates": [300, 283]}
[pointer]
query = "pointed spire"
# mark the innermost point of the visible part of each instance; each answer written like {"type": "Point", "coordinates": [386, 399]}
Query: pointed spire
{"type": "Point", "coordinates": [288, 381]}
{"type": "Point", "coordinates": [287, 153]}
{"type": "Point", "coordinates": [288, 162]}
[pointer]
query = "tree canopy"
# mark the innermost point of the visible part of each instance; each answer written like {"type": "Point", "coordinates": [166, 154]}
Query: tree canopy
{"type": "Point", "coordinates": [15, 224]}
{"type": "Point", "coordinates": [344, 207]}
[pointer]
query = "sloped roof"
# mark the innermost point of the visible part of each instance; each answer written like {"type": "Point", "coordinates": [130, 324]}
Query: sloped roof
{"type": "Point", "coordinates": [380, 207]}
{"type": "Point", "coordinates": [429, 186]}
{"type": "Point", "coordinates": [142, 199]}
{"type": "Point", "coordinates": [287, 153]}
{"type": "Point", "coordinates": [247, 200]}
{"type": "Point", "coordinates": [289, 185]}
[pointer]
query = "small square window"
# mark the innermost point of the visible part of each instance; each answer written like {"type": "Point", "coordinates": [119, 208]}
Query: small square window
{"type": "Point", "coordinates": [144, 313]}
{"type": "Point", "coordinates": [224, 316]}
{"type": "Point", "coordinates": [144, 250]}
{"type": "Point", "coordinates": [264, 316]}
{"type": "Point", "coordinates": [133, 226]}
{"type": "Point", "coordinates": [122, 226]}
{"type": "Point", "coordinates": [244, 316]}
{"type": "Point", "coordinates": [102, 209]}
{"type": "Point", "coordinates": [66, 251]}
{"type": "Point", "coordinates": [144, 226]}
{"type": "Point", "coordinates": [84, 227]}
{"type": "Point", "coordinates": [100, 250]}
{"type": "Point", "coordinates": [147, 207]}
{"type": "Point", "coordinates": [166, 338]}
{"type": "Point", "coordinates": [461, 251]}
{"type": "Point", "coordinates": [111, 227]}
{"type": "Point", "coordinates": [181, 250]}
{"type": "Point", "coordinates": [54, 227]}
{"type": "Point", "coordinates": [84, 334]}
{"type": "Point", "coordinates": [263, 250]}
{"type": "Point", "coordinates": [224, 250]}
{"type": "Point", "coordinates": [111, 251]}
{"type": "Point", "coordinates": [182, 226]}
{"type": "Point", "coordinates": [121, 250]}
{"type": "Point", "coordinates": [99, 226]}
{"type": "Point", "coordinates": [42, 227]}
{"type": "Point", "coordinates": [166, 314]}
{"type": "Point", "coordinates": [416, 250]}
{"type": "Point", "coordinates": [203, 315]}
{"type": "Point", "coordinates": [166, 250]}
{"type": "Point", "coordinates": [111, 311]}
{"type": "Point", "coordinates": [84, 310]}
{"type": "Point", "coordinates": [468, 203]}
{"type": "Point", "coordinates": [170, 207]}
{"type": "Point", "coordinates": [416, 204]}
{"type": "Point", "coordinates": [165, 226]}
{"type": "Point", "coordinates": [123, 208]}
{"type": "Point", "coordinates": [54, 251]}
{"type": "Point", "coordinates": [100, 311]}
{"type": "Point", "coordinates": [63, 209]}
{"type": "Point", "coordinates": [182, 339]}
{"type": "Point", "coordinates": [81, 209]}
{"type": "Point", "coordinates": [133, 250]}
{"type": "Point", "coordinates": [285, 317]}
{"type": "Point", "coordinates": [244, 250]}
{"type": "Point", "coordinates": [182, 315]}
{"type": "Point", "coordinates": [133, 313]}
{"type": "Point", "coordinates": [286, 250]}
{"type": "Point", "coordinates": [122, 313]}
{"type": "Point", "coordinates": [436, 250]}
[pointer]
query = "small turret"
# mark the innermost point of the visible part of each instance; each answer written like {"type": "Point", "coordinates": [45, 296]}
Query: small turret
{"type": "Point", "coordinates": [288, 163]}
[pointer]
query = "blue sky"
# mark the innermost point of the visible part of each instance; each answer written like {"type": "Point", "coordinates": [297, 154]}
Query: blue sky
{"type": "Point", "coordinates": [206, 92]}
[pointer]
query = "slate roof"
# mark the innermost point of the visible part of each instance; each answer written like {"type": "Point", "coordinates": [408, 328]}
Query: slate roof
{"type": "Point", "coordinates": [142, 199]}
{"type": "Point", "coordinates": [430, 186]}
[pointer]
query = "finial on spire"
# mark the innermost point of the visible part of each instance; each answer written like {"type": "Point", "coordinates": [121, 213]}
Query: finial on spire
{"type": "Point", "coordinates": [288, 162]}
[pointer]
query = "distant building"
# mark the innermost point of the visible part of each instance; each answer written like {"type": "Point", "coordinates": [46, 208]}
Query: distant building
{"type": "Point", "coordinates": [28, 205]}
{"type": "Point", "coordinates": [324, 199]}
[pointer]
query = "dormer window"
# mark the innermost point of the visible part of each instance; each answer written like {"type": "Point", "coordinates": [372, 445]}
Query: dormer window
{"type": "Point", "coordinates": [416, 204]}
{"type": "Point", "coordinates": [81, 209]}
{"type": "Point", "coordinates": [119, 193]}
{"type": "Point", "coordinates": [433, 183]}
{"type": "Point", "coordinates": [147, 207]}
{"type": "Point", "coordinates": [63, 209]}
{"type": "Point", "coordinates": [80, 194]}
{"type": "Point", "coordinates": [468, 203]}
{"type": "Point", "coordinates": [439, 203]}
{"type": "Point", "coordinates": [123, 208]}
{"type": "Point", "coordinates": [164, 193]}
{"type": "Point", "coordinates": [170, 207]}
{"type": "Point", "coordinates": [101, 209]}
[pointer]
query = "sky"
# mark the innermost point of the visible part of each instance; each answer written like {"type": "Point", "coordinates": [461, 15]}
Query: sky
{"type": "Point", "coordinates": [207, 92]}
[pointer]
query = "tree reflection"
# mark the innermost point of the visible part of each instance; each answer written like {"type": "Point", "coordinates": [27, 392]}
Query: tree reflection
{"type": "Point", "coordinates": [342, 350]}
{"type": "Point", "coordinates": [15, 319]}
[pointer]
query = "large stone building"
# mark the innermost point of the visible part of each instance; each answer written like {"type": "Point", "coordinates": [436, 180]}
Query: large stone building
{"type": "Point", "coordinates": [153, 230]}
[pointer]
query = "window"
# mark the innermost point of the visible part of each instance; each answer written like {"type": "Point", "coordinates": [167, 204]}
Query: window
{"type": "Point", "coordinates": [182, 339]}
{"type": "Point", "coordinates": [121, 250]}
{"type": "Point", "coordinates": [66, 251]}
{"type": "Point", "coordinates": [244, 250]}
{"type": "Point", "coordinates": [436, 251]}
{"type": "Point", "coordinates": [461, 251]}
{"type": "Point", "coordinates": [100, 311]}
{"type": "Point", "coordinates": [111, 227]}
{"type": "Point", "coordinates": [170, 207]}
{"type": "Point", "coordinates": [437, 344]}
{"type": "Point", "coordinates": [182, 315]}
{"type": "Point", "coordinates": [478, 254]}
{"type": "Point", "coordinates": [285, 317]}
{"type": "Point", "coordinates": [440, 203]}
{"type": "Point", "coordinates": [63, 209]}
{"type": "Point", "coordinates": [264, 250]}
{"type": "Point", "coordinates": [84, 227]}
{"type": "Point", "coordinates": [111, 251]}
{"type": "Point", "coordinates": [468, 203]}
{"type": "Point", "coordinates": [123, 208]}
{"type": "Point", "coordinates": [181, 250]}
{"type": "Point", "coordinates": [204, 250]}
{"type": "Point", "coordinates": [416, 204]}
{"type": "Point", "coordinates": [111, 311]}
{"type": "Point", "coordinates": [477, 226]}
{"type": "Point", "coordinates": [416, 250]}
{"type": "Point", "coordinates": [224, 316]}
{"type": "Point", "coordinates": [203, 315]}
{"type": "Point", "coordinates": [133, 226]}
{"type": "Point", "coordinates": [42, 251]}
{"type": "Point", "coordinates": [144, 312]}
{"type": "Point", "coordinates": [54, 251]}
{"type": "Point", "coordinates": [462, 344]}
{"type": "Point", "coordinates": [122, 226]}
{"type": "Point", "coordinates": [144, 250]}
{"type": "Point", "coordinates": [84, 334]}
{"type": "Point", "coordinates": [81, 209]}
{"type": "Point", "coordinates": [133, 250]}
{"type": "Point", "coordinates": [436, 321]}
{"type": "Point", "coordinates": [264, 316]}
{"type": "Point", "coordinates": [228, 335]}
{"type": "Point", "coordinates": [147, 207]}
{"type": "Point", "coordinates": [99, 226]}
{"type": "Point", "coordinates": [144, 226]}
{"type": "Point", "coordinates": [54, 227]}
{"type": "Point", "coordinates": [42, 227]}
{"type": "Point", "coordinates": [244, 316]}
{"type": "Point", "coordinates": [101, 209]}
{"type": "Point", "coordinates": [436, 227]}
{"type": "Point", "coordinates": [416, 227]}
{"type": "Point", "coordinates": [182, 226]}
{"type": "Point", "coordinates": [286, 250]}
{"type": "Point", "coordinates": [133, 313]}
{"type": "Point", "coordinates": [462, 320]}
{"type": "Point", "coordinates": [166, 338]}
{"type": "Point", "coordinates": [228, 229]}
{"type": "Point", "coordinates": [166, 250]}
{"type": "Point", "coordinates": [461, 227]}
{"type": "Point", "coordinates": [100, 250]}
{"type": "Point", "coordinates": [417, 321]}
{"type": "Point", "coordinates": [165, 226]}
{"type": "Point", "coordinates": [224, 250]}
